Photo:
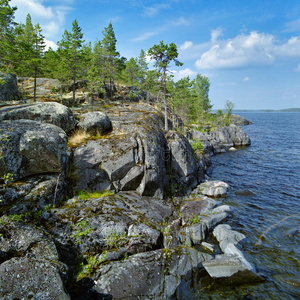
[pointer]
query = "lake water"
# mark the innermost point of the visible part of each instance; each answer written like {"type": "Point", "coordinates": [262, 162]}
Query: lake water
{"type": "Point", "coordinates": [270, 218]}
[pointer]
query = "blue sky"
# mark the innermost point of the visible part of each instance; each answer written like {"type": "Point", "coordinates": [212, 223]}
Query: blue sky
{"type": "Point", "coordinates": [249, 49]}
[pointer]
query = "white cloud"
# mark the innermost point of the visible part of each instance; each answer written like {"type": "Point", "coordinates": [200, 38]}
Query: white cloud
{"type": "Point", "coordinates": [183, 73]}
{"type": "Point", "coordinates": [292, 26]}
{"type": "Point", "coordinates": [215, 33]}
{"type": "Point", "coordinates": [151, 11]}
{"type": "Point", "coordinates": [50, 44]}
{"type": "Point", "coordinates": [246, 79]}
{"type": "Point", "coordinates": [181, 21]}
{"type": "Point", "coordinates": [297, 69]}
{"type": "Point", "coordinates": [50, 17]}
{"type": "Point", "coordinates": [241, 51]}
{"type": "Point", "coordinates": [291, 48]}
{"type": "Point", "coordinates": [186, 45]}
{"type": "Point", "coordinates": [143, 37]}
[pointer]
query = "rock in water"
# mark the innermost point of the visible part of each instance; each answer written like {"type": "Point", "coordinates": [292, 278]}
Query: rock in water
{"type": "Point", "coordinates": [214, 188]}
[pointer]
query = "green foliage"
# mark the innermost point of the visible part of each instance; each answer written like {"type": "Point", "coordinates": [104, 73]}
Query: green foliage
{"type": "Point", "coordinates": [83, 229]}
{"type": "Point", "coordinates": [93, 195]}
{"type": "Point", "coordinates": [116, 240]}
{"type": "Point", "coordinates": [195, 219]}
{"type": "Point", "coordinates": [197, 146]}
{"type": "Point", "coordinates": [228, 109]}
{"type": "Point", "coordinates": [164, 54]}
{"type": "Point", "coordinates": [92, 263]}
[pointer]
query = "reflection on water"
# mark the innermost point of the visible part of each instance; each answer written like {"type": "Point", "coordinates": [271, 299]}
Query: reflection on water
{"type": "Point", "coordinates": [270, 218]}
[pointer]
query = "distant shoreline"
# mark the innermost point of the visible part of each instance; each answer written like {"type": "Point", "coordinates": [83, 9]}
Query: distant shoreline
{"type": "Point", "coordinates": [266, 110]}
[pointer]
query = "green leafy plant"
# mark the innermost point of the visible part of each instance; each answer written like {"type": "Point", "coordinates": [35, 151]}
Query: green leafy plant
{"type": "Point", "coordinates": [195, 219]}
{"type": "Point", "coordinates": [197, 146]}
{"type": "Point", "coordinates": [83, 229]}
{"type": "Point", "coordinates": [116, 240]}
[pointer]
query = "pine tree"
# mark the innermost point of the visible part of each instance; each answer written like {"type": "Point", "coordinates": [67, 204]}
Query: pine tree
{"type": "Point", "coordinates": [164, 54]}
{"type": "Point", "coordinates": [131, 73]}
{"type": "Point", "coordinates": [109, 42]}
{"type": "Point", "coordinates": [70, 51]}
{"type": "Point", "coordinates": [202, 102]}
{"type": "Point", "coordinates": [38, 48]}
{"type": "Point", "coordinates": [7, 41]}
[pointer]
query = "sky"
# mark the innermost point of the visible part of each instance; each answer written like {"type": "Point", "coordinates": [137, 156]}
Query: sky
{"type": "Point", "coordinates": [249, 49]}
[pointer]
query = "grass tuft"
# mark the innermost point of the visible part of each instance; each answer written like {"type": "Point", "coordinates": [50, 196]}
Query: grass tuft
{"type": "Point", "coordinates": [93, 195]}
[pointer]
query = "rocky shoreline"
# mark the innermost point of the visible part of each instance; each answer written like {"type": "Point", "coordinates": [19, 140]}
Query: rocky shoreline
{"type": "Point", "coordinates": [144, 238]}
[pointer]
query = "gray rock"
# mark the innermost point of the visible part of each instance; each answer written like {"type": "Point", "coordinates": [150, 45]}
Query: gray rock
{"type": "Point", "coordinates": [225, 236]}
{"type": "Point", "coordinates": [238, 136]}
{"type": "Point", "coordinates": [33, 194]}
{"type": "Point", "coordinates": [151, 275]}
{"type": "Point", "coordinates": [214, 188]}
{"type": "Point", "coordinates": [239, 121]}
{"type": "Point", "coordinates": [196, 233]}
{"type": "Point", "coordinates": [45, 112]}
{"type": "Point", "coordinates": [231, 270]}
{"type": "Point", "coordinates": [95, 123]}
{"type": "Point", "coordinates": [8, 87]}
{"type": "Point", "coordinates": [222, 135]}
{"type": "Point", "coordinates": [26, 278]}
{"type": "Point", "coordinates": [208, 247]}
{"type": "Point", "coordinates": [26, 240]}
{"type": "Point", "coordinates": [33, 148]}
{"type": "Point", "coordinates": [145, 233]}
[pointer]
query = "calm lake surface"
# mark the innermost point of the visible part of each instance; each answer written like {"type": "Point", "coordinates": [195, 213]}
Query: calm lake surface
{"type": "Point", "coordinates": [270, 168]}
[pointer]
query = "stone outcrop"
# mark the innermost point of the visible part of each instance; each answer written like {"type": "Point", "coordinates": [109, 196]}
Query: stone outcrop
{"type": "Point", "coordinates": [136, 155]}
{"type": "Point", "coordinates": [231, 267]}
{"type": "Point", "coordinates": [95, 123]}
{"type": "Point", "coordinates": [239, 120]}
{"type": "Point", "coordinates": [32, 148]}
{"type": "Point", "coordinates": [8, 87]}
{"type": "Point", "coordinates": [46, 112]}
{"type": "Point", "coordinates": [222, 139]}
{"type": "Point", "coordinates": [30, 266]}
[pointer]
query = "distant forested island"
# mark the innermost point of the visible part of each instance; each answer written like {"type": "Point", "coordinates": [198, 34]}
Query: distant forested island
{"type": "Point", "coordinates": [267, 110]}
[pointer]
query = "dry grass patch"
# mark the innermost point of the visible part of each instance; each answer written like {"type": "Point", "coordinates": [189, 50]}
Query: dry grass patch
{"type": "Point", "coordinates": [78, 138]}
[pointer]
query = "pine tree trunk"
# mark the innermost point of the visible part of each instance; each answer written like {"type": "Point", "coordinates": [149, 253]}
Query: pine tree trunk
{"type": "Point", "coordinates": [165, 102]}
{"type": "Point", "coordinates": [34, 85]}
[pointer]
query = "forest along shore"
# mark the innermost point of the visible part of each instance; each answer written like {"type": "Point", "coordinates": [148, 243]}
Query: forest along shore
{"type": "Point", "coordinates": [117, 203]}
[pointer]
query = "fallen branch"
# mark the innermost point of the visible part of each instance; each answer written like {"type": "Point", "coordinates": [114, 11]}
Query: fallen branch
{"type": "Point", "coordinates": [274, 225]}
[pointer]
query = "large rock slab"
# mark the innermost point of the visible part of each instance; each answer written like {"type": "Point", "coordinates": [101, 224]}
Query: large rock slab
{"type": "Point", "coordinates": [136, 155]}
{"type": "Point", "coordinates": [45, 112]}
{"type": "Point", "coordinates": [95, 123]}
{"type": "Point", "coordinates": [26, 278]}
{"type": "Point", "coordinates": [184, 168]}
{"type": "Point", "coordinates": [32, 148]}
{"type": "Point", "coordinates": [151, 275]}
{"type": "Point", "coordinates": [8, 87]}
